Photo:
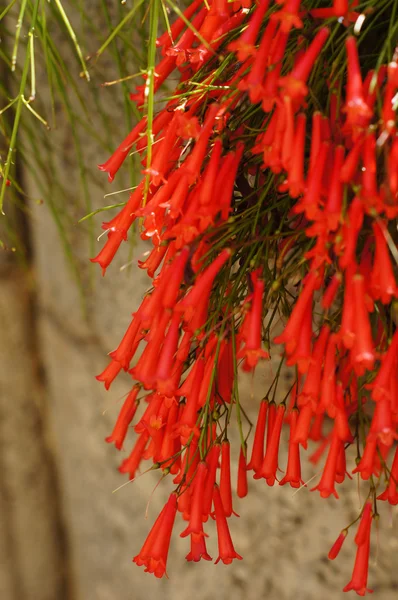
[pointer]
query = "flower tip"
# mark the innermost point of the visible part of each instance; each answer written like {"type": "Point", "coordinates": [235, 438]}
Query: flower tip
{"type": "Point", "coordinates": [104, 167]}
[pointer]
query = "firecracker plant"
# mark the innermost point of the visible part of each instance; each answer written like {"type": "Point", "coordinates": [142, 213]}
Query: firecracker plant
{"type": "Point", "coordinates": [269, 195]}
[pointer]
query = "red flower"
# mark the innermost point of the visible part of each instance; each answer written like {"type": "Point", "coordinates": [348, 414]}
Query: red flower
{"type": "Point", "coordinates": [358, 112]}
{"type": "Point", "coordinates": [293, 471]}
{"type": "Point", "coordinates": [391, 492]}
{"type": "Point", "coordinates": [257, 456]}
{"type": "Point", "coordinates": [270, 463]}
{"type": "Point", "coordinates": [195, 527]}
{"type": "Point", "coordinates": [153, 554]}
{"type": "Point", "coordinates": [335, 549]}
{"type": "Point", "coordinates": [124, 419]}
{"type": "Point", "coordinates": [363, 352]}
{"type": "Point", "coordinates": [131, 464]}
{"type": "Point", "coordinates": [113, 164]}
{"type": "Point", "coordinates": [212, 463]}
{"type": "Point", "coordinates": [360, 573]}
{"type": "Point", "coordinates": [326, 484]}
{"type": "Point", "coordinates": [383, 284]}
{"type": "Point", "coordinates": [294, 84]}
{"type": "Point", "coordinates": [226, 550]}
{"type": "Point", "coordinates": [242, 487]}
{"type": "Point", "coordinates": [225, 478]}
{"type": "Point", "coordinates": [244, 45]}
{"type": "Point", "coordinates": [198, 548]}
{"type": "Point", "coordinates": [291, 332]}
{"type": "Point", "coordinates": [109, 373]}
{"type": "Point", "coordinates": [252, 350]}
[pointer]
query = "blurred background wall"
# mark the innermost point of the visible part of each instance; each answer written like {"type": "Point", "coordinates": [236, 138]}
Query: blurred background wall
{"type": "Point", "coordinates": [64, 534]}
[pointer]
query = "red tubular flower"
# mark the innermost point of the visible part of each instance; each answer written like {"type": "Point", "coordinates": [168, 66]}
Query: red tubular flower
{"type": "Point", "coordinates": [331, 291]}
{"type": "Point", "coordinates": [252, 350]}
{"type": "Point", "coordinates": [210, 174]}
{"type": "Point", "coordinates": [383, 284]}
{"type": "Point", "coordinates": [367, 465]}
{"type": "Point", "coordinates": [347, 321]}
{"type": "Point", "coordinates": [302, 431]}
{"type": "Point", "coordinates": [107, 254]}
{"type": "Point", "coordinates": [212, 463]}
{"type": "Point", "coordinates": [382, 427]}
{"type": "Point", "coordinates": [244, 46]}
{"type": "Point", "coordinates": [270, 463]}
{"type": "Point", "coordinates": [189, 464]}
{"type": "Point", "coordinates": [341, 415]}
{"type": "Point", "coordinates": [316, 139]}
{"type": "Point", "coordinates": [316, 432]}
{"type": "Point", "coordinates": [363, 531]}
{"type": "Point", "coordinates": [203, 283]}
{"type": "Point", "coordinates": [172, 281]}
{"type": "Point", "coordinates": [187, 40]}
{"type": "Point", "coordinates": [302, 353]}
{"type": "Point", "coordinates": [311, 201]}
{"type": "Point", "coordinates": [113, 164]}
{"type": "Point", "coordinates": [293, 471]}
{"type": "Point", "coordinates": [195, 527]}
{"type": "Point", "coordinates": [327, 482]}
{"type": "Point", "coordinates": [312, 386]}
{"type": "Point", "coordinates": [335, 549]}
{"type": "Point", "coordinates": [253, 82]}
{"type": "Point", "coordinates": [169, 349]}
{"type": "Point", "coordinates": [257, 456]}
{"type": "Point", "coordinates": [391, 492]}
{"type": "Point", "coordinates": [291, 332]}
{"type": "Point", "coordinates": [388, 112]}
{"type": "Point", "coordinates": [160, 164]}
{"type": "Point", "coordinates": [118, 229]}
{"type": "Point", "coordinates": [226, 550]}
{"type": "Point", "coordinates": [294, 84]}
{"type": "Point", "coordinates": [289, 16]}
{"type": "Point", "coordinates": [270, 86]}
{"type": "Point", "coordinates": [198, 548]}
{"type": "Point", "coordinates": [154, 403]}
{"type": "Point", "coordinates": [382, 383]}
{"type": "Point", "coordinates": [153, 554]}
{"type": "Point", "coordinates": [225, 372]}
{"type": "Point", "coordinates": [130, 465]}
{"type": "Point", "coordinates": [295, 177]}
{"type": "Point", "coordinates": [363, 352]}
{"type": "Point", "coordinates": [193, 163]}
{"type": "Point", "coordinates": [145, 369]}
{"type": "Point", "coordinates": [226, 180]}
{"type": "Point", "coordinates": [124, 419]}
{"type": "Point", "coordinates": [169, 36]}
{"type": "Point", "coordinates": [351, 229]}
{"type": "Point", "coordinates": [335, 195]}
{"type": "Point", "coordinates": [360, 573]}
{"type": "Point", "coordinates": [350, 166]}
{"type": "Point", "coordinates": [242, 487]}
{"type": "Point", "coordinates": [358, 112]}
{"type": "Point", "coordinates": [288, 134]}
{"type": "Point", "coordinates": [328, 384]}
{"type": "Point", "coordinates": [170, 444]}
{"type": "Point", "coordinates": [109, 373]}
{"type": "Point", "coordinates": [225, 478]}
{"type": "Point", "coordinates": [151, 264]}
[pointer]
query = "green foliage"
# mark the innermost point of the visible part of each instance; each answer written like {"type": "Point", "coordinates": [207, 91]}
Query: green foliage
{"type": "Point", "coordinates": [55, 63]}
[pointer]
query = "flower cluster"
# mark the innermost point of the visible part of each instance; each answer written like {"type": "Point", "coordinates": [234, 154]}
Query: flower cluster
{"type": "Point", "coordinates": [269, 195]}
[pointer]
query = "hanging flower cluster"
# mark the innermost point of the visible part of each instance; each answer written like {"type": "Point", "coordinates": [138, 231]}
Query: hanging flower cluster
{"type": "Point", "coordinates": [270, 198]}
